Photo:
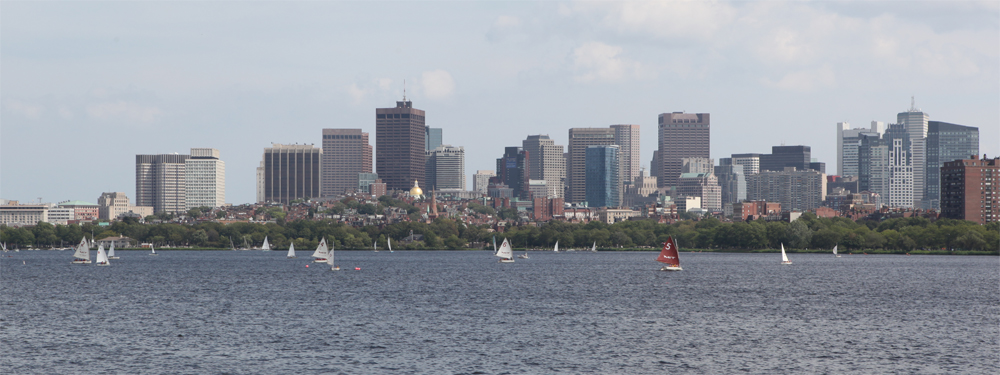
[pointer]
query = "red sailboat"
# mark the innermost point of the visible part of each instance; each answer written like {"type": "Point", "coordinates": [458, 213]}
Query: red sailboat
{"type": "Point", "coordinates": [669, 256]}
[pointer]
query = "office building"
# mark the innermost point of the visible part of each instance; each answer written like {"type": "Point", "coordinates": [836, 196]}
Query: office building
{"type": "Point", "coordinates": [781, 157]}
{"type": "Point", "coordinates": [681, 135]}
{"type": "Point", "coordinates": [627, 139]}
{"type": "Point", "coordinates": [916, 123]}
{"type": "Point", "coordinates": [702, 185]}
{"type": "Point", "coordinates": [945, 142]}
{"type": "Point", "coordinates": [546, 162]}
{"type": "Point", "coordinates": [697, 165]}
{"type": "Point", "coordinates": [204, 179]}
{"type": "Point", "coordinates": [445, 168]}
{"type": "Point", "coordinates": [732, 182]}
{"type": "Point", "coordinates": [161, 183]}
{"type": "Point", "coordinates": [900, 176]}
{"type": "Point", "coordinates": [481, 180]}
{"type": "Point", "coordinates": [603, 187]}
{"type": "Point", "coordinates": [795, 190]}
{"type": "Point", "coordinates": [14, 214]}
{"type": "Point", "coordinates": [365, 180]}
{"type": "Point", "coordinates": [400, 145]}
{"type": "Point", "coordinates": [346, 153]}
{"type": "Point", "coordinates": [433, 138]}
{"type": "Point", "coordinates": [750, 162]}
{"type": "Point", "coordinates": [576, 164]}
{"type": "Point", "coordinates": [83, 211]}
{"type": "Point", "coordinates": [513, 171]}
{"type": "Point", "coordinates": [969, 189]}
{"type": "Point", "coordinates": [848, 142]}
{"type": "Point", "coordinates": [290, 172]}
{"type": "Point", "coordinates": [111, 205]}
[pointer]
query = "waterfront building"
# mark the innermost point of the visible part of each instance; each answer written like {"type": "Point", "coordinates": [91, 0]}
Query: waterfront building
{"type": "Point", "coordinates": [204, 179]}
{"type": "Point", "coordinates": [433, 138]}
{"type": "Point", "coordinates": [756, 209]}
{"type": "Point", "coordinates": [160, 182]}
{"type": "Point", "coordinates": [969, 189]}
{"type": "Point", "coordinates": [945, 142]}
{"type": "Point", "coordinates": [14, 214]}
{"type": "Point", "coordinates": [290, 172]}
{"type": "Point", "coordinates": [400, 145]}
{"type": "Point", "coordinates": [681, 135]}
{"type": "Point", "coordinates": [602, 176]}
{"type": "Point", "coordinates": [346, 154]}
{"type": "Point", "coordinates": [513, 171]}
{"type": "Point", "coordinates": [546, 162]}
{"type": "Point", "coordinates": [795, 190]}
{"type": "Point", "coordinates": [576, 162]}
{"type": "Point", "coordinates": [82, 211]}
{"type": "Point", "coordinates": [481, 180]}
{"type": "Point", "coordinates": [445, 168]}
{"type": "Point", "coordinates": [59, 215]}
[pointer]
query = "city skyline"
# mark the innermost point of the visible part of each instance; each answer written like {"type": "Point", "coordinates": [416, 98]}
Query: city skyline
{"type": "Point", "coordinates": [87, 87]}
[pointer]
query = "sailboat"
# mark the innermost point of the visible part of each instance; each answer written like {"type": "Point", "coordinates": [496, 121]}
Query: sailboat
{"type": "Point", "coordinates": [593, 249]}
{"type": "Point", "coordinates": [322, 253]}
{"type": "Point", "coordinates": [389, 241]}
{"type": "Point", "coordinates": [494, 244]}
{"type": "Point", "coordinates": [505, 253]}
{"type": "Point", "coordinates": [784, 258]}
{"type": "Point", "coordinates": [82, 253]}
{"type": "Point", "coordinates": [375, 246]}
{"type": "Point", "coordinates": [329, 260]}
{"type": "Point", "coordinates": [111, 252]}
{"type": "Point", "coordinates": [835, 251]}
{"type": "Point", "coordinates": [152, 250]}
{"type": "Point", "coordinates": [266, 246]}
{"type": "Point", "coordinates": [556, 249]}
{"type": "Point", "coordinates": [102, 258]}
{"type": "Point", "coordinates": [669, 256]}
{"type": "Point", "coordinates": [291, 250]}
{"type": "Point", "coordinates": [525, 255]}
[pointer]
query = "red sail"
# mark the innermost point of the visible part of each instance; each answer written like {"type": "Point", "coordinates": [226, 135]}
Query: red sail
{"type": "Point", "coordinates": [669, 253]}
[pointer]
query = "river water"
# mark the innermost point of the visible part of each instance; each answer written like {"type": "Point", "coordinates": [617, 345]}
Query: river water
{"type": "Point", "coordinates": [461, 312]}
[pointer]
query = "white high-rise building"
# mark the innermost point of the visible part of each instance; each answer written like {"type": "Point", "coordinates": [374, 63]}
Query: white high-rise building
{"type": "Point", "coordinates": [848, 141]}
{"type": "Point", "coordinates": [750, 163]}
{"type": "Point", "coordinates": [481, 180]}
{"type": "Point", "coordinates": [900, 176]}
{"type": "Point", "coordinates": [627, 139]}
{"type": "Point", "coordinates": [915, 122]}
{"type": "Point", "coordinates": [205, 179]}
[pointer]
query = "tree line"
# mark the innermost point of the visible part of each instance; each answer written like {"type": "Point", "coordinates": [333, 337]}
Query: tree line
{"type": "Point", "coordinates": [808, 232]}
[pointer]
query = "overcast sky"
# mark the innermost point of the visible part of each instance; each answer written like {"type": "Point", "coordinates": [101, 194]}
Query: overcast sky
{"type": "Point", "coordinates": [85, 86]}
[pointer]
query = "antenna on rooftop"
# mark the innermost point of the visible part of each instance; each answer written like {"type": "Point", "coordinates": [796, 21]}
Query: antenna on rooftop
{"type": "Point", "coordinates": [404, 90]}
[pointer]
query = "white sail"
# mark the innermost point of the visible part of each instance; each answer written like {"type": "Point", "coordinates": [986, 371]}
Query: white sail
{"type": "Point", "coordinates": [389, 241]}
{"type": "Point", "coordinates": [321, 250]}
{"type": "Point", "coordinates": [556, 249]}
{"type": "Point", "coordinates": [505, 250]}
{"type": "Point", "coordinates": [102, 258]}
{"type": "Point", "coordinates": [291, 250]}
{"type": "Point", "coordinates": [329, 259]}
{"type": "Point", "coordinates": [111, 252]}
{"type": "Point", "coordinates": [82, 251]}
{"type": "Point", "coordinates": [152, 250]}
{"type": "Point", "coordinates": [594, 248]}
{"type": "Point", "coordinates": [784, 258]}
{"type": "Point", "coordinates": [834, 249]}
{"type": "Point", "coordinates": [266, 246]}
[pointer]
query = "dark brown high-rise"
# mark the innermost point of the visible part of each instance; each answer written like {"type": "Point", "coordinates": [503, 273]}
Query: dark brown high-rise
{"type": "Point", "coordinates": [346, 152]}
{"type": "Point", "coordinates": [969, 189]}
{"type": "Point", "coordinates": [682, 135]}
{"type": "Point", "coordinates": [400, 144]}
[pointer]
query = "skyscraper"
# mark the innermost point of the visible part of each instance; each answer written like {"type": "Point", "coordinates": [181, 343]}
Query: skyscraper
{"type": "Point", "coordinates": [546, 163]}
{"type": "Point", "coordinates": [750, 163]}
{"type": "Point", "coordinates": [627, 139]}
{"type": "Point", "coordinates": [782, 157]}
{"type": "Point", "coordinates": [204, 179]}
{"type": "Point", "coordinates": [346, 152]}
{"type": "Point", "coordinates": [681, 135]}
{"type": "Point", "coordinates": [576, 165]}
{"type": "Point", "coordinates": [445, 168]}
{"type": "Point", "coordinates": [795, 190]}
{"type": "Point", "coordinates": [945, 142]}
{"type": "Point", "coordinates": [400, 145]}
{"type": "Point", "coordinates": [433, 138]}
{"type": "Point", "coordinates": [513, 170]}
{"type": "Point", "coordinates": [160, 182]}
{"type": "Point", "coordinates": [848, 141]}
{"type": "Point", "coordinates": [969, 189]}
{"type": "Point", "coordinates": [290, 172]}
{"type": "Point", "coordinates": [602, 176]}
{"type": "Point", "coordinates": [915, 122]}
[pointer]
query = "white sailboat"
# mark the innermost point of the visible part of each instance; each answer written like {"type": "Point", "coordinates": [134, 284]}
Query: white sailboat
{"type": "Point", "coordinates": [594, 248]}
{"type": "Point", "coordinates": [835, 251]}
{"type": "Point", "coordinates": [389, 241]}
{"type": "Point", "coordinates": [375, 246]}
{"type": "Point", "coordinates": [111, 252]}
{"type": "Point", "coordinates": [82, 253]}
{"type": "Point", "coordinates": [291, 251]}
{"type": "Point", "coordinates": [266, 246]}
{"type": "Point", "coordinates": [152, 251]}
{"type": "Point", "coordinates": [556, 249]}
{"type": "Point", "coordinates": [784, 258]}
{"type": "Point", "coordinates": [322, 253]}
{"type": "Point", "coordinates": [102, 258]}
{"type": "Point", "coordinates": [506, 253]}
{"type": "Point", "coordinates": [329, 260]}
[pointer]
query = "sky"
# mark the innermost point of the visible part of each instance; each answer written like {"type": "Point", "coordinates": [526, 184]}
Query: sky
{"type": "Point", "coordinates": [85, 86]}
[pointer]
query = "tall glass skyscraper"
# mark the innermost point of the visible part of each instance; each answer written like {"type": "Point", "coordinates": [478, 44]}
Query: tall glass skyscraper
{"type": "Point", "coordinates": [946, 142]}
{"type": "Point", "coordinates": [603, 176]}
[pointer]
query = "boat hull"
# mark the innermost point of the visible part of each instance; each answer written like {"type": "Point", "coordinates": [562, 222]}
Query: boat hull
{"type": "Point", "coordinates": [335, 268]}
{"type": "Point", "coordinates": [103, 264]}
{"type": "Point", "coordinates": [506, 261]}
{"type": "Point", "coordinates": [292, 257]}
{"type": "Point", "coordinates": [81, 261]}
{"type": "Point", "coordinates": [671, 268]}
{"type": "Point", "coordinates": [319, 260]}
{"type": "Point", "coordinates": [112, 258]}
{"type": "Point", "coordinates": [787, 262]}
{"type": "Point", "coordinates": [522, 257]}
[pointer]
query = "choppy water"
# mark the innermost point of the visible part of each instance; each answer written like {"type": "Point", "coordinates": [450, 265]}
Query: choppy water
{"type": "Point", "coordinates": [463, 313]}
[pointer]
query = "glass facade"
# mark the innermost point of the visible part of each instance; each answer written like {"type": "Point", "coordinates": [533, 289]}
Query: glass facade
{"type": "Point", "coordinates": [603, 176]}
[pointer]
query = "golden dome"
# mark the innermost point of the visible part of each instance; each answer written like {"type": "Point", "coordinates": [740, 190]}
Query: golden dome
{"type": "Point", "coordinates": [415, 191]}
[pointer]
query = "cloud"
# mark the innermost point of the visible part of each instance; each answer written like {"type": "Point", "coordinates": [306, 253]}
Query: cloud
{"type": "Point", "coordinates": [28, 110]}
{"type": "Point", "coordinates": [384, 83]}
{"type": "Point", "coordinates": [66, 113]}
{"type": "Point", "coordinates": [596, 61]}
{"type": "Point", "coordinates": [805, 80]}
{"type": "Point", "coordinates": [505, 27]}
{"type": "Point", "coordinates": [122, 110]}
{"type": "Point", "coordinates": [699, 20]}
{"type": "Point", "coordinates": [357, 93]}
{"type": "Point", "coordinates": [437, 84]}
